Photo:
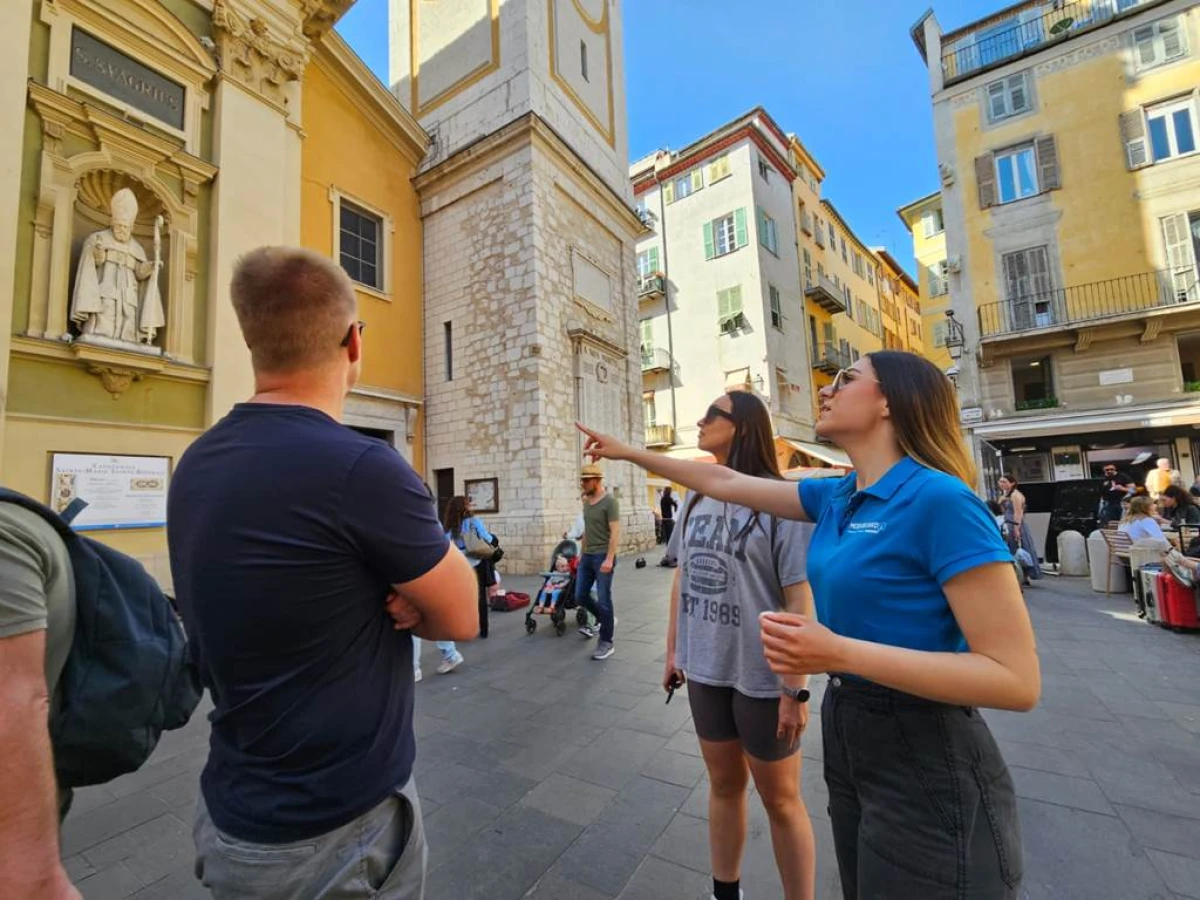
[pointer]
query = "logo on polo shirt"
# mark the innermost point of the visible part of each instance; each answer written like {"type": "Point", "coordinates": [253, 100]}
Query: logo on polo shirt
{"type": "Point", "coordinates": [866, 527]}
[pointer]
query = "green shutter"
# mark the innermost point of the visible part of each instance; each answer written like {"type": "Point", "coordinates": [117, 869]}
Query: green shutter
{"type": "Point", "coordinates": [668, 190]}
{"type": "Point", "coordinates": [653, 260]}
{"type": "Point", "coordinates": [735, 300]}
{"type": "Point", "coordinates": [723, 304]}
{"type": "Point", "coordinates": [697, 179]}
{"type": "Point", "coordinates": [709, 250]}
{"type": "Point", "coordinates": [761, 218]}
{"type": "Point", "coordinates": [739, 225]}
{"type": "Point", "coordinates": [647, 329]}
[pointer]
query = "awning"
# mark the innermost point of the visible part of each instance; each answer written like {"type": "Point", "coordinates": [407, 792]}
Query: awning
{"type": "Point", "coordinates": [1119, 418]}
{"type": "Point", "coordinates": [825, 452]}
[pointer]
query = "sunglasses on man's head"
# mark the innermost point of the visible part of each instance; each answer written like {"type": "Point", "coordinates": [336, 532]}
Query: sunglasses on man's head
{"type": "Point", "coordinates": [349, 331]}
{"type": "Point", "coordinates": [715, 412]}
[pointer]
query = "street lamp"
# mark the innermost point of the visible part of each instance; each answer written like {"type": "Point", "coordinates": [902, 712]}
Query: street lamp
{"type": "Point", "coordinates": [955, 336]}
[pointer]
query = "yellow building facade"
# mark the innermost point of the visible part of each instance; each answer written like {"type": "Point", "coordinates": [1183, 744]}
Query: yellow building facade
{"type": "Point", "coordinates": [926, 223]}
{"type": "Point", "coordinates": [160, 140]}
{"type": "Point", "coordinates": [1067, 142]}
{"type": "Point", "coordinates": [899, 304]}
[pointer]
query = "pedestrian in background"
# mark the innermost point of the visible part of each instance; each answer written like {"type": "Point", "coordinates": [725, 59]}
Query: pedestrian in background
{"type": "Point", "coordinates": [597, 562]}
{"type": "Point", "coordinates": [459, 521]}
{"type": "Point", "coordinates": [920, 622]}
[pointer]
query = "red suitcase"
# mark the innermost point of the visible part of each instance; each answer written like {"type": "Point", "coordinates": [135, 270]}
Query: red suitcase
{"type": "Point", "coordinates": [508, 601]}
{"type": "Point", "coordinates": [1176, 604]}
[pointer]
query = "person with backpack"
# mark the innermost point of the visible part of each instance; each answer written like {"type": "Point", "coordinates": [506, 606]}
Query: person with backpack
{"type": "Point", "coordinates": [734, 564]}
{"type": "Point", "coordinates": [305, 556]}
{"type": "Point", "coordinates": [479, 545]}
{"type": "Point", "coordinates": [37, 621]}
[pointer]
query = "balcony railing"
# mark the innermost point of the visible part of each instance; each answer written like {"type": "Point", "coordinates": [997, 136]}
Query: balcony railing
{"type": "Point", "coordinates": [989, 46]}
{"type": "Point", "coordinates": [655, 359]}
{"type": "Point", "coordinates": [827, 295]}
{"type": "Point", "coordinates": [652, 286]}
{"type": "Point", "coordinates": [830, 358]}
{"type": "Point", "coordinates": [1084, 303]}
{"type": "Point", "coordinates": [660, 435]}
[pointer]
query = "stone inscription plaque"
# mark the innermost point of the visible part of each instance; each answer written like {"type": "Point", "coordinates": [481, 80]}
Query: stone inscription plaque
{"type": "Point", "coordinates": [124, 78]}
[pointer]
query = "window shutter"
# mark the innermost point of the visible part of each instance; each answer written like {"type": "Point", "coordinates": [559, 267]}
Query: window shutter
{"type": "Point", "coordinates": [709, 249]}
{"type": "Point", "coordinates": [1038, 263]}
{"type": "Point", "coordinates": [985, 178]}
{"type": "Point", "coordinates": [647, 329]}
{"type": "Point", "coordinates": [735, 300]}
{"type": "Point", "coordinates": [668, 190]}
{"type": "Point", "coordinates": [1177, 238]}
{"type": "Point", "coordinates": [997, 101]}
{"type": "Point", "coordinates": [1018, 93]}
{"type": "Point", "coordinates": [762, 225]}
{"type": "Point", "coordinates": [697, 176]}
{"type": "Point", "coordinates": [723, 305]}
{"type": "Point", "coordinates": [1172, 40]}
{"type": "Point", "coordinates": [1143, 46]}
{"type": "Point", "coordinates": [653, 254]}
{"type": "Point", "coordinates": [1133, 131]}
{"type": "Point", "coordinates": [1049, 178]}
{"type": "Point", "coordinates": [739, 226]}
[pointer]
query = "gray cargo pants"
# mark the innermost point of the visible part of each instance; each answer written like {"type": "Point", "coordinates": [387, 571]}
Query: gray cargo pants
{"type": "Point", "coordinates": [380, 855]}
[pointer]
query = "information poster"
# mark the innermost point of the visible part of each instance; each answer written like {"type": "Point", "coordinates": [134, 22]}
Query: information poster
{"type": "Point", "coordinates": [120, 491]}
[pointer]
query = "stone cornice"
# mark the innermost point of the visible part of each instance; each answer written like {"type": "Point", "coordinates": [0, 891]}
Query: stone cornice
{"type": "Point", "coordinates": [384, 111]}
{"type": "Point", "coordinates": [321, 15]}
{"type": "Point", "coordinates": [252, 54]}
{"type": "Point", "coordinates": [533, 129]}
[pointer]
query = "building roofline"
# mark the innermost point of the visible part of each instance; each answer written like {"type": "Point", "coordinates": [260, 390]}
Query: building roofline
{"type": "Point", "coordinates": [797, 146]}
{"type": "Point", "coordinates": [884, 254]}
{"type": "Point", "coordinates": [915, 204]}
{"type": "Point", "coordinates": [917, 33]}
{"type": "Point", "coordinates": [833, 211]}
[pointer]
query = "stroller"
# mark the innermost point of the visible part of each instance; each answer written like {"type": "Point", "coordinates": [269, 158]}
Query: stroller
{"type": "Point", "coordinates": [564, 556]}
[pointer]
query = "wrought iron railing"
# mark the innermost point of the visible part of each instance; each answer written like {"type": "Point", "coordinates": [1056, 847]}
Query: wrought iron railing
{"type": "Point", "coordinates": [660, 435]}
{"type": "Point", "coordinates": [822, 289]}
{"type": "Point", "coordinates": [830, 357]}
{"type": "Point", "coordinates": [655, 359]}
{"type": "Point", "coordinates": [650, 284]}
{"type": "Point", "coordinates": [988, 46]}
{"type": "Point", "coordinates": [1090, 302]}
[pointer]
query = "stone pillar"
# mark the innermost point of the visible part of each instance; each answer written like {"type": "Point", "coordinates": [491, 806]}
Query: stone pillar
{"type": "Point", "coordinates": [1072, 554]}
{"type": "Point", "coordinates": [15, 20]}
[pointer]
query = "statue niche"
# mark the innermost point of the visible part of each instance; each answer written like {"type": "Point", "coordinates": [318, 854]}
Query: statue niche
{"type": "Point", "coordinates": [116, 299]}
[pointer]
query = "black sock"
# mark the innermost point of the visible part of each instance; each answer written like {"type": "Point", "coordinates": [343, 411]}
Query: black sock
{"type": "Point", "coordinates": [727, 890]}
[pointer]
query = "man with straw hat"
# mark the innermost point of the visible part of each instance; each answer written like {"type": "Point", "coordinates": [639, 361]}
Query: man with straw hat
{"type": "Point", "coordinates": [601, 534]}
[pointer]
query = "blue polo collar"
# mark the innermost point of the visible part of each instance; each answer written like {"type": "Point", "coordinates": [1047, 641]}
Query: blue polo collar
{"type": "Point", "coordinates": [895, 478]}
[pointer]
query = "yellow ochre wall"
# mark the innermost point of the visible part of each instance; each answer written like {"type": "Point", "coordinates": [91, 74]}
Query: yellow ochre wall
{"type": "Point", "coordinates": [347, 150]}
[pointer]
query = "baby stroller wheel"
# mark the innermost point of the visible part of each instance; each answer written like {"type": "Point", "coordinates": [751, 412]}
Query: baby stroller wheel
{"type": "Point", "coordinates": [560, 628]}
{"type": "Point", "coordinates": [581, 616]}
{"type": "Point", "coordinates": [530, 626]}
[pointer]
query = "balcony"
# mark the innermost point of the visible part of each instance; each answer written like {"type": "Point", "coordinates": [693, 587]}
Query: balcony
{"type": "Point", "coordinates": [660, 435]}
{"type": "Point", "coordinates": [1086, 304]}
{"type": "Point", "coordinates": [655, 359]}
{"type": "Point", "coordinates": [651, 287]}
{"type": "Point", "coordinates": [806, 223]}
{"type": "Point", "coordinates": [829, 358]}
{"type": "Point", "coordinates": [1025, 31]}
{"type": "Point", "coordinates": [827, 295]}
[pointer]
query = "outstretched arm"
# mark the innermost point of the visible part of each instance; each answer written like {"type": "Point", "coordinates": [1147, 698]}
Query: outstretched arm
{"type": "Point", "coordinates": [778, 498]}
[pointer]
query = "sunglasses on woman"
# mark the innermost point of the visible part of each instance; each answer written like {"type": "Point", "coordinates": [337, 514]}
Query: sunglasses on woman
{"type": "Point", "coordinates": [715, 412]}
{"type": "Point", "coordinates": [846, 377]}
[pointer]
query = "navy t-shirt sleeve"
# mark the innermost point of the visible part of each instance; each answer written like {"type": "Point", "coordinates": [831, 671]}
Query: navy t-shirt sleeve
{"type": "Point", "coordinates": [815, 494]}
{"type": "Point", "coordinates": [391, 518]}
{"type": "Point", "coordinates": [961, 534]}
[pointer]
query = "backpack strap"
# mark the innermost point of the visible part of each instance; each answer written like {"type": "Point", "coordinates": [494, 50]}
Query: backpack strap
{"type": "Point", "coordinates": [60, 523]}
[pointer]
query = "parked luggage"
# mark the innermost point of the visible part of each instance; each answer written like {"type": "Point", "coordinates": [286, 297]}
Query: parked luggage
{"type": "Point", "coordinates": [1149, 593]}
{"type": "Point", "coordinates": [1176, 604]}
{"type": "Point", "coordinates": [507, 601]}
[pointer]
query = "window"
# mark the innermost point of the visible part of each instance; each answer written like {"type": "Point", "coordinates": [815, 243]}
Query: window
{"type": "Point", "coordinates": [1016, 174]}
{"type": "Point", "coordinates": [808, 278]}
{"type": "Point", "coordinates": [646, 329]}
{"type": "Point", "coordinates": [844, 346]}
{"type": "Point", "coordinates": [939, 281]}
{"type": "Point", "coordinates": [360, 245]}
{"type": "Point", "coordinates": [849, 300]}
{"type": "Point", "coordinates": [859, 265]}
{"type": "Point", "coordinates": [583, 66]}
{"type": "Point", "coordinates": [718, 169]}
{"type": "Point", "coordinates": [845, 251]}
{"type": "Point", "coordinates": [1189, 361]}
{"type": "Point", "coordinates": [1158, 43]}
{"type": "Point", "coordinates": [854, 357]}
{"type": "Point", "coordinates": [647, 262]}
{"type": "Point", "coordinates": [683, 186]}
{"type": "Point", "coordinates": [1172, 129]}
{"type": "Point", "coordinates": [1033, 382]}
{"type": "Point", "coordinates": [726, 234]}
{"type": "Point", "coordinates": [776, 307]}
{"type": "Point", "coordinates": [871, 276]}
{"type": "Point", "coordinates": [767, 235]}
{"type": "Point", "coordinates": [1008, 97]}
{"type": "Point", "coordinates": [729, 309]}
{"type": "Point", "coordinates": [832, 238]}
{"type": "Point", "coordinates": [941, 329]}
{"type": "Point", "coordinates": [448, 349]}
{"type": "Point", "coordinates": [1029, 289]}
{"type": "Point", "coordinates": [783, 389]}
{"type": "Point", "coordinates": [764, 169]}
{"type": "Point", "coordinates": [932, 222]}
{"type": "Point", "coordinates": [1178, 231]}
{"type": "Point", "coordinates": [649, 410]}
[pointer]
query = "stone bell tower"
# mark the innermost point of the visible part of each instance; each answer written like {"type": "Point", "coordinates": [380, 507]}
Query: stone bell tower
{"type": "Point", "coordinates": [530, 299]}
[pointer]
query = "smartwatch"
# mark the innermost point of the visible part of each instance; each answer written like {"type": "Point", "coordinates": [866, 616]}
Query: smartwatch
{"type": "Point", "coordinates": [800, 695]}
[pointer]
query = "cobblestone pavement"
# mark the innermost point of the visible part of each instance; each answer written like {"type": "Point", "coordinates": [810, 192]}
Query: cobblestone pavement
{"type": "Point", "coordinates": [547, 775]}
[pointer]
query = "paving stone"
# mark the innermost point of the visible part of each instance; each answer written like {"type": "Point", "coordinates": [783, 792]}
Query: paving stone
{"type": "Point", "coordinates": [78, 868]}
{"type": "Point", "coordinates": [179, 885]}
{"type": "Point", "coordinates": [454, 824]}
{"type": "Point", "coordinates": [98, 825]}
{"type": "Point", "coordinates": [1181, 873]}
{"type": "Point", "coordinates": [1043, 759]}
{"type": "Point", "coordinates": [553, 886]}
{"type": "Point", "coordinates": [1161, 831]}
{"type": "Point", "coordinates": [1186, 715]}
{"type": "Point", "coordinates": [1077, 793]}
{"type": "Point", "coordinates": [569, 799]}
{"type": "Point", "coordinates": [135, 840]}
{"type": "Point", "coordinates": [675, 768]}
{"type": "Point", "coordinates": [113, 883]}
{"type": "Point", "coordinates": [684, 842]}
{"type": "Point", "coordinates": [657, 878]}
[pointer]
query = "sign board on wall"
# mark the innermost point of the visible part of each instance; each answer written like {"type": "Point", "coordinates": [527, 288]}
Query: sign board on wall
{"type": "Point", "coordinates": [121, 491]}
{"type": "Point", "coordinates": [1116, 376]}
{"type": "Point", "coordinates": [972, 415]}
{"type": "Point", "coordinates": [108, 69]}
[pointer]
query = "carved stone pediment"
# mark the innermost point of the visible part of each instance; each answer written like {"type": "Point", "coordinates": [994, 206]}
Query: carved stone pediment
{"type": "Point", "coordinates": [117, 368]}
{"type": "Point", "coordinates": [254, 54]}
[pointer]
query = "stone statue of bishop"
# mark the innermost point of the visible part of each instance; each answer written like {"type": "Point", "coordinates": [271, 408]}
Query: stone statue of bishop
{"type": "Point", "coordinates": [116, 287]}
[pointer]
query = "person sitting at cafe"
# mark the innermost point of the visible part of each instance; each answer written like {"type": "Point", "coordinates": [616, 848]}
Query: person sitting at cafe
{"type": "Point", "coordinates": [1178, 507]}
{"type": "Point", "coordinates": [1140, 522]}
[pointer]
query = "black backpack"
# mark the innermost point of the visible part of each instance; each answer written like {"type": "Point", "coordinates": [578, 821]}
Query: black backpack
{"type": "Point", "coordinates": [128, 677]}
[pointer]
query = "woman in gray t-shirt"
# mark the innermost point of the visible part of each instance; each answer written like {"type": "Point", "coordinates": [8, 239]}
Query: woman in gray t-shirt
{"type": "Point", "coordinates": [733, 565]}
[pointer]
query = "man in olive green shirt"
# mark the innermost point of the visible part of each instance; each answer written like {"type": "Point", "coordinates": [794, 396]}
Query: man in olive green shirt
{"type": "Point", "coordinates": [601, 534]}
{"type": "Point", "coordinates": [37, 622]}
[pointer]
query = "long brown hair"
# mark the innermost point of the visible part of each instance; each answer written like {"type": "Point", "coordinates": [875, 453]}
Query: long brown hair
{"type": "Point", "coordinates": [924, 412]}
{"type": "Point", "coordinates": [456, 513]}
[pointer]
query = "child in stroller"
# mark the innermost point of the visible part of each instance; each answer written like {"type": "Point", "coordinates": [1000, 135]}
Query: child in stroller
{"type": "Point", "coordinates": [557, 593]}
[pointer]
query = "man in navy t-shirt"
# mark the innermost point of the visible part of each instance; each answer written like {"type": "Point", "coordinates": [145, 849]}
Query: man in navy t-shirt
{"type": "Point", "coordinates": [303, 553]}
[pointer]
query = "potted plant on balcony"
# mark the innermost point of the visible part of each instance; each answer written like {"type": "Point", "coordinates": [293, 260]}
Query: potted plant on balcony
{"type": "Point", "coordinates": [1040, 403]}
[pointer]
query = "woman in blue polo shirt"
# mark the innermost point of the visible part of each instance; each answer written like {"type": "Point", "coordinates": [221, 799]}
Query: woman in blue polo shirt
{"type": "Point", "coordinates": [921, 622]}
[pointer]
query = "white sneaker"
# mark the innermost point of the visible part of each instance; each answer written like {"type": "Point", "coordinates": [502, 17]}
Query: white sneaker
{"type": "Point", "coordinates": [589, 631]}
{"type": "Point", "coordinates": [417, 675]}
{"type": "Point", "coordinates": [449, 665]}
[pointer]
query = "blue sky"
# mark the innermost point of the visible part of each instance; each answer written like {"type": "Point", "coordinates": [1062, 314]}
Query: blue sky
{"type": "Point", "coordinates": [844, 76]}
